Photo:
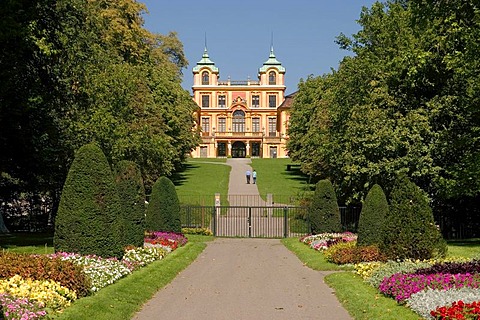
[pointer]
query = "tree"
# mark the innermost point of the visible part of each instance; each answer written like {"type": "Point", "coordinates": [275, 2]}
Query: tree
{"type": "Point", "coordinates": [409, 231]}
{"type": "Point", "coordinates": [323, 213]}
{"type": "Point", "coordinates": [89, 214]}
{"type": "Point", "coordinates": [131, 191]}
{"type": "Point", "coordinates": [163, 210]}
{"type": "Point", "coordinates": [372, 217]}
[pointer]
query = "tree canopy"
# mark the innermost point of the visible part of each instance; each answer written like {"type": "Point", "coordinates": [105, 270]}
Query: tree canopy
{"type": "Point", "coordinates": [72, 72]}
{"type": "Point", "coordinates": [405, 101]}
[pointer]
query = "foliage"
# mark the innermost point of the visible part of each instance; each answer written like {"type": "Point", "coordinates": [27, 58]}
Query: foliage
{"type": "Point", "coordinates": [403, 102]}
{"type": "Point", "coordinates": [393, 267]}
{"type": "Point", "coordinates": [89, 215]}
{"type": "Point", "coordinates": [323, 213]}
{"type": "Point", "coordinates": [20, 308]}
{"type": "Point", "coordinates": [37, 267]}
{"type": "Point", "coordinates": [401, 286]}
{"type": "Point", "coordinates": [48, 293]}
{"type": "Point", "coordinates": [374, 211]}
{"type": "Point", "coordinates": [132, 198]}
{"type": "Point", "coordinates": [424, 302]}
{"type": "Point", "coordinates": [201, 231]}
{"type": "Point", "coordinates": [357, 254]}
{"type": "Point", "coordinates": [452, 267]}
{"type": "Point", "coordinates": [458, 310]}
{"type": "Point", "coordinates": [409, 229]}
{"type": "Point", "coordinates": [78, 71]}
{"type": "Point", "coordinates": [163, 210]}
{"type": "Point", "coordinates": [331, 251]}
{"type": "Point", "coordinates": [323, 241]}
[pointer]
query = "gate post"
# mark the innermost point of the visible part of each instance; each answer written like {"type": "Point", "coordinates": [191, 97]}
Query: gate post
{"type": "Point", "coordinates": [214, 217]}
{"type": "Point", "coordinates": [285, 222]}
{"type": "Point", "coordinates": [249, 222]}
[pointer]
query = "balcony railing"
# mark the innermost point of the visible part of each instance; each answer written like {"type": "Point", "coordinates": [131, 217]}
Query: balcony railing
{"type": "Point", "coordinates": [238, 83]}
{"type": "Point", "coordinates": [269, 136]}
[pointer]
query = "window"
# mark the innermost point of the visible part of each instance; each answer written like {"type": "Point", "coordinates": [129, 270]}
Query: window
{"type": "Point", "coordinates": [256, 124]}
{"type": "Point", "coordinates": [221, 149]}
{"type": "Point", "coordinates": [206, 126]}
{"type": "Point", "coordinates": [255, 101]}
{"type": "Point", "coordinates": [205, 101]}
{"type": "Point", "coordinates": [203, 152]}
{"type": "Point", "coordinates": [205, 78]}
{"type": "Point", "coordinates": [272, 101]}
{"type": "Point", "coordinates": [221, 101]}
{"type": "Point", "coordinates": [272, 78]}
{"type": "Point", "coordinates": [222, 125]}
{"type": "Point", "coordinates": [272, 127]}
{"type": "Point", "coordinates": [239, 121]}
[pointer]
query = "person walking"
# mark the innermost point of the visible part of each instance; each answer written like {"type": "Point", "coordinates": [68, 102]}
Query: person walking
{"type": "Point", "coordinates": [248, 176]}
{"type": "Point", "coordinates": [254, 176]}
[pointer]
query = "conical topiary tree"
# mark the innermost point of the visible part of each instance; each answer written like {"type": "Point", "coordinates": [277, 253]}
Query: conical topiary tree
{"type": "Point", "coordinates": [323, 213]}
{"type": "Point", "coordinates": [163, 210]}
{"type": "Point", "coordinates": [372, 217]}
{"type": "Point", "coordinates": [131, 190]}
{"type": "Point", "coordinates": [409, 230]}
{"type": "Point", "coordinates": [88, 217]}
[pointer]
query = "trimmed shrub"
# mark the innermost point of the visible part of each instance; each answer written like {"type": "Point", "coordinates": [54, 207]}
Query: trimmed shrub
{"type": "Point", "coordinates": [409, 230]}
{"type": "Point", "coordinates": [89, 214]}
{"type": "Point", "coordinates": [374, 211]}
{"type": "Point", "coordinates": [323, 213]}
{"type": "Point", "coordinates": [132, 199]}
{"type": "Point", "coordinates": [163, 211]}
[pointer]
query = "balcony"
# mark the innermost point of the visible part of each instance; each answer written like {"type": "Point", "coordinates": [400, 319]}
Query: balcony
{"type": "Point", "coordinates": [272, 137]}
{"type": "Point", "coordinates": [238, 83]}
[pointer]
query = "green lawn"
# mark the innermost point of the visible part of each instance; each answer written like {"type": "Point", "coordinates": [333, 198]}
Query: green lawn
{"type": "Point", "coordinates": [200, 180]}
{"type": "Point", "coordinates": [273, 177]}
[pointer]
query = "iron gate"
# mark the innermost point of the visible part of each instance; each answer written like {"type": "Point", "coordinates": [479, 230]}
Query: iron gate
{"type": "Point", "coordinates": [248, 221]}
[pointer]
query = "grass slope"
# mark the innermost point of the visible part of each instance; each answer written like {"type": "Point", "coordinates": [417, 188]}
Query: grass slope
{"type": "Point", "coordinates": [273, 177]}
{"type": "Point", "coordinates": [200, 180]}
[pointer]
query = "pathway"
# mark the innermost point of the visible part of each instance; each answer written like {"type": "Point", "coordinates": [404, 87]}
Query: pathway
{"type": "Point", "coordinates": [245, 278]}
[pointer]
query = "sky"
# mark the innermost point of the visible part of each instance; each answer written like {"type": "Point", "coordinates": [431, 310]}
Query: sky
{"type": "Point", "coordinates": [239, 34]}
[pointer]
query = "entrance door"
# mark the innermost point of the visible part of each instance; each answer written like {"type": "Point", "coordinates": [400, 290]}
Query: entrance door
{"type": "Point", "coordinates": [239, 150]}
{"type": "Point", "coordinates": [273, 152]}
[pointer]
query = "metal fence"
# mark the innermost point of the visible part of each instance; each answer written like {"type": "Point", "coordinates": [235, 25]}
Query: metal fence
{"type": "Point", "coordinates": [258, 221]}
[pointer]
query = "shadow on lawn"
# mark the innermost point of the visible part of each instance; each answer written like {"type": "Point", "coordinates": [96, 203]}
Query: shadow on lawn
{"type": "Point", "coordinates": [475, 242]}
{"type": "Point", "coordinates": [297, 175]}
{"type": "Point", "coordinates": [24, 239]}
{"type": "Point", "coordinates": [179, 177]}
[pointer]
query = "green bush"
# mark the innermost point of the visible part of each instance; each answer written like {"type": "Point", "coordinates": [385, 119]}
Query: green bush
{"type": "Point", "coordinates": [409, 229]}
{"type": "Point", "coordinates": [323, 212]}
{"type": "Point", "coordinates": [163, 211]}
{"type": "Point", "coordinates": [132, 199]}
{"type": "Point", "coordinates": [374, 211]}
{"type": "Point", "coordinates": [89, 214]}
{"type": "Point", "coordinates": [38, 267]}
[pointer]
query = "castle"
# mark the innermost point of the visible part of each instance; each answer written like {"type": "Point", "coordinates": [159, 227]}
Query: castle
{"type": "Point", "coordinates": [241, 119]}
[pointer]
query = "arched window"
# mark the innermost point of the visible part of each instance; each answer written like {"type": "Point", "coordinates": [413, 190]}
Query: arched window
{"type": "Point", "coordinates": [238, 121]}
{"type": "Point", "coordinates": [205, 78]}
{"type": "Point", "coordinates": [272, 77]}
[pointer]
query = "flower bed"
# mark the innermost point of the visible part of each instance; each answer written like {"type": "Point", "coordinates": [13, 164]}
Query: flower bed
{"type": "Point", "coordinates": [442, 289]}
{"type": "Point", "coordinates": [432, 288]}
{"type": "Point", "coordinates": [323, 241]}
{"type": "Point", "coordinates": [24, 298]}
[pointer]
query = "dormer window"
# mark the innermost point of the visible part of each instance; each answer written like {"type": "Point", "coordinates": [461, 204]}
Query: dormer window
{"type": "Point", "coordinates": [272, 78]}
{"type": "Point", "coordinates": [205, 78]}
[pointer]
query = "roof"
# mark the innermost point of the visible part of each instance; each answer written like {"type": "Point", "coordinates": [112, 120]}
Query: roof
{"type": "Point", "coordinates": [271, 62]}
{"type": "Point", "coordinates": [287, 103]}
{"type": "Point", "coordinates": [205, 62]}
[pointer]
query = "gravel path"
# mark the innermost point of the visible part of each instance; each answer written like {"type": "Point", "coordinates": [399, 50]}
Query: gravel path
{"type": "Point", "coordinates": [245, 279]}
